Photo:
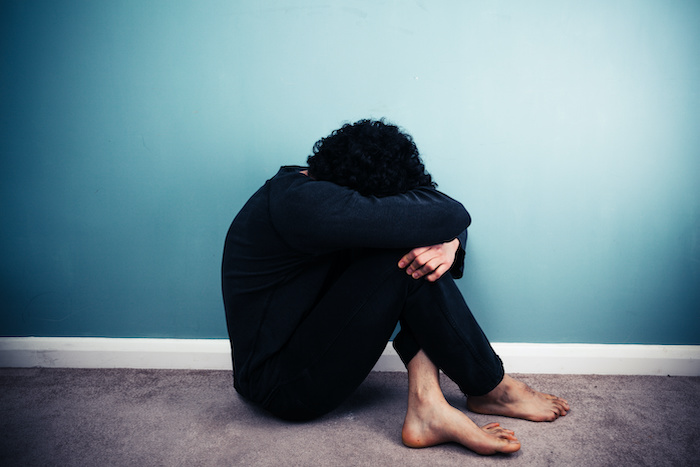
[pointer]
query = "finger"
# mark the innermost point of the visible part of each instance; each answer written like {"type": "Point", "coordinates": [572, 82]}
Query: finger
{"type": "Point", "coordinates": [438, 273]}
{"type": "Point", "coordinates": [420, 264]}
{"type": "Point", "coordinates": [409, 257]}
{"type": "Point", "coordinates": [406, 259]}
{"type": "Point", "coordinates": [427, 268]}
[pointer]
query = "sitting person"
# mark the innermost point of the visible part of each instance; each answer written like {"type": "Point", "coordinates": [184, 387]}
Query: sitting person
{"type": "Point", "coordinates": [321, 264]}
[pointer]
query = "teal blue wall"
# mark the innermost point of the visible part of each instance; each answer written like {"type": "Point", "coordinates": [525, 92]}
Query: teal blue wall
{"type": "Point", "coordinates": [131, 132]}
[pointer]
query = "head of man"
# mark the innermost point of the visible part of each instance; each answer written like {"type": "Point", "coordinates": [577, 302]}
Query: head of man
{"type": "Point", "coordinates": [371, 157]}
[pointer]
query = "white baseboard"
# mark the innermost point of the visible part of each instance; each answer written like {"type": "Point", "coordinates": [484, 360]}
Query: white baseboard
{"type": "Point", "coordinates": [214, 354]}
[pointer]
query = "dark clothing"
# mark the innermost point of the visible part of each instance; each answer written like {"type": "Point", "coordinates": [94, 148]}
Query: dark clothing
{"type": "Point", "coordinates": [312, 292]}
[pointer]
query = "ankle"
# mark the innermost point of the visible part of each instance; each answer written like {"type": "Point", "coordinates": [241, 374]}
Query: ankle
{"type": "Point", "coordinates": [500, 392]}
{"type": "Point", "coordinates": [429, 393]}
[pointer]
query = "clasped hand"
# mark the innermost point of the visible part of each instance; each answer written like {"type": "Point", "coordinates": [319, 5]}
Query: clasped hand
{"type": "Point", "coordinates": [430, 262]}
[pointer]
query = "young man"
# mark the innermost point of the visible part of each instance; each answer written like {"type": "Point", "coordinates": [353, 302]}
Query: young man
{"type": "Point", "coordinates": [320, 265]}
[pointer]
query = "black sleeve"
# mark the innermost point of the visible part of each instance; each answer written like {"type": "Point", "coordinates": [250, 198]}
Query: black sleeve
{"type": "Point", "coordinates": [317, 216]}
{"type": "Point", "coordinates": [457, 269]}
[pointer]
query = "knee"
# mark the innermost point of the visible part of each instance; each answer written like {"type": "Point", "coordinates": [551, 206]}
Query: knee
{"type": "Point", "coordinates": [387, 261]}
{"type": "Point", "coordinates": [376, 257]}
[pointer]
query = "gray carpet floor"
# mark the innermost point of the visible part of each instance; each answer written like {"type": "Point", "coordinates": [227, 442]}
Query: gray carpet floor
{"type": "Point", "coordinates": [69, 417]}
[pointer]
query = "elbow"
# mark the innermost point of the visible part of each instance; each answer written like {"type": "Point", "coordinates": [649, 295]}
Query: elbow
{"type": "Point", "coordinates": [467, 220]}
{"type": "Point", "coordinates": [463, 218]}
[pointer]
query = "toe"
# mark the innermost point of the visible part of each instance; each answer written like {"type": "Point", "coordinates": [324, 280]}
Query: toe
{"type": "Point", "coordinates": [563, 408]}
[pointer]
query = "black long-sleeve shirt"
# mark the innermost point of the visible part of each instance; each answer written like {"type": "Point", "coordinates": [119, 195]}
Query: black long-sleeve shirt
{"type": "Point", "coordinates": [281, 245]}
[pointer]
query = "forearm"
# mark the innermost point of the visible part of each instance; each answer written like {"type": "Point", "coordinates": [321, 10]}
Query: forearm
{"type": "Point", "coordinates": [321, 216]}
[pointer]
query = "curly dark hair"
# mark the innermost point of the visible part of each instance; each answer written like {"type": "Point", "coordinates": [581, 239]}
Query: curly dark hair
{"type": "Point", "coordinates": [371, 157]}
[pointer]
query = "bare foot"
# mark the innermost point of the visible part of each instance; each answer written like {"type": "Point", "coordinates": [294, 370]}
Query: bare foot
{"type": "Point", "coordinates": [430, 421]}
{"type": "Point", "coordinates": [513, 398]}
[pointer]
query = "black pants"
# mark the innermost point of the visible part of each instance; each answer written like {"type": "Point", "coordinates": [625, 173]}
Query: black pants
{"type": "Point", "coordinates": [342, 337]}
